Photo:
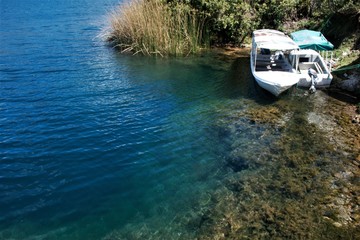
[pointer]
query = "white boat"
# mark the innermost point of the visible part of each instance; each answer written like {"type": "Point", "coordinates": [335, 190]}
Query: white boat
{"type": "Point", "coordinates": [311, 69]}
{"type": "Point", "coordinates": [277, 63]}
{"type": "Point", "coordinates": [269, 60]}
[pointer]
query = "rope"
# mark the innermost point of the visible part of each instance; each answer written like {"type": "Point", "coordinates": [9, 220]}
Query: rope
{"type": "Point", "coordinates": [346, 68]}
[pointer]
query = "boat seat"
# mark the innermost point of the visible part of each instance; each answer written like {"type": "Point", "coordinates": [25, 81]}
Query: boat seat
{"type": "Point", "coordinates": [263, 57]}
{"type": "Point", "coordinates": [266, 63]}
{"type": "Point", "coordinates": [266, 66]}
{"type": "Point", "coordinates": [263, 68]}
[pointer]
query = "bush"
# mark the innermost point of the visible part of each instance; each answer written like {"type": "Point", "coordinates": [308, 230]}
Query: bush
{"type": "Point", "coordinates": [273, 13]}
{"type": "Point", "coordinates": [227, 21]}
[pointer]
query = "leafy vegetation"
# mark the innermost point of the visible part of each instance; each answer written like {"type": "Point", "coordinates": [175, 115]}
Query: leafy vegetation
{"type": "Point", "coordinates": [178, 27]}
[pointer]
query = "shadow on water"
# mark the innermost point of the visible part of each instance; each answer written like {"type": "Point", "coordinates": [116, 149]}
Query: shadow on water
{"type": "Point", "coordinates": [241, 80]}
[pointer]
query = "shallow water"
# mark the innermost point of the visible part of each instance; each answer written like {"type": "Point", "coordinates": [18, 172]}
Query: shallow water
{"type": "Point", "coordinates": [94, 143]}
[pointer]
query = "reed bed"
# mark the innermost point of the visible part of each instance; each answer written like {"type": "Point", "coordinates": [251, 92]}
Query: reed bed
{"type": "Point", "coordinates": [154, 27]}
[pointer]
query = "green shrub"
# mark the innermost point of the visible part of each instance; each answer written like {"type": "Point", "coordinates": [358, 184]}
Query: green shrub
{"type": "Point", "coordinates": [227, 21]}
{"type": "Point", "coordinates": [273, 13]}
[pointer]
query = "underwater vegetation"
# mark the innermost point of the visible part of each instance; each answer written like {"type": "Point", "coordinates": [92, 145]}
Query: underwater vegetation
{"type": "Point", "coordinates": [293, 184]}
{"type": "Point", "coordinates": [290, 175]}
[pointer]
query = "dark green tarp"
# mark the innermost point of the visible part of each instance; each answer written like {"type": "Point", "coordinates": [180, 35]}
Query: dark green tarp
{"type": "Point", "coordinates": [308, 39]}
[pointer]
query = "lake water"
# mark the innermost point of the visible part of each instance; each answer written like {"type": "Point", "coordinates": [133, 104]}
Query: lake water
{"type": "Point", "coordinates": [94, 143]}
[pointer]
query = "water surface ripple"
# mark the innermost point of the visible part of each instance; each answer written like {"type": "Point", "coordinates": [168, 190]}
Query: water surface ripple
{"type": "Point", "coordinates": [97, 144]}
{"type": "Point", "coordinates": [89, 138]}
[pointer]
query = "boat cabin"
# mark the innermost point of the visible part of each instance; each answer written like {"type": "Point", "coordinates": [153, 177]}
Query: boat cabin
{"type": "Point", "coordinates": [270, 51]}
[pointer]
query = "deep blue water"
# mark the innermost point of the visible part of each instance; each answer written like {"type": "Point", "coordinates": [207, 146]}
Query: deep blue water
{"type": "Point", "coordinates": [92, 140]}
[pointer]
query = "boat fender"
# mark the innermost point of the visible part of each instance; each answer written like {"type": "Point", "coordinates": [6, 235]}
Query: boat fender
{"type": "Point", "coordinates": [313, 75]}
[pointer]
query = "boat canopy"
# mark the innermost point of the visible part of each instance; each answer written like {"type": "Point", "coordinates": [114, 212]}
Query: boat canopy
{"type": "Point", "coordinates": [308, 39]}
{"type": "Point", "coordinates": [273, 40]}
{"type": "Point", "coordinates": [305, 52]}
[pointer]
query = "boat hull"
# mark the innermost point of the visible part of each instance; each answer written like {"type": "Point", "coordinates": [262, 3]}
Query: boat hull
{"type": "Point", "coordinates": [275, 82]}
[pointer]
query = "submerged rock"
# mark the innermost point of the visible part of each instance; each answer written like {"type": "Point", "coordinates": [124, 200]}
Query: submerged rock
{"type": "Point", "coordinates": [351, 84]}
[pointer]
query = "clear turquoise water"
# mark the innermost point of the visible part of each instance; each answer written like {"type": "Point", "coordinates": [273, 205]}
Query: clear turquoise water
{"type": "Point", "coordinates": [91, 140]}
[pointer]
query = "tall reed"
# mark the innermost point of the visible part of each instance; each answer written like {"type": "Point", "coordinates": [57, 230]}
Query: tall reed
{"type": "Point", "coordinates": [154, 27]}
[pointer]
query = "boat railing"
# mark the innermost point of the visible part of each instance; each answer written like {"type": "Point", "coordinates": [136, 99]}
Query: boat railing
{"type": "Point", "coordinates": [328, 58]}
{"type": "Point", "coordinates": [318, 68]}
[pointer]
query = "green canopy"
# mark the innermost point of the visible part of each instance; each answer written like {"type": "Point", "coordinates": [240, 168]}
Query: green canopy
{"type": "Point", "coordinates": [308, 39]}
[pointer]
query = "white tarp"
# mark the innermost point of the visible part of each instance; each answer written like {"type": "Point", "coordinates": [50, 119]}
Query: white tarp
{"type": "Point", "coordinates": [274, 40]}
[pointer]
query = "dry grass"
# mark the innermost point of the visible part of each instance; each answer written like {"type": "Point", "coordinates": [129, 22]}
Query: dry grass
{"type": "Point", "coordinates": [152, 27]}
